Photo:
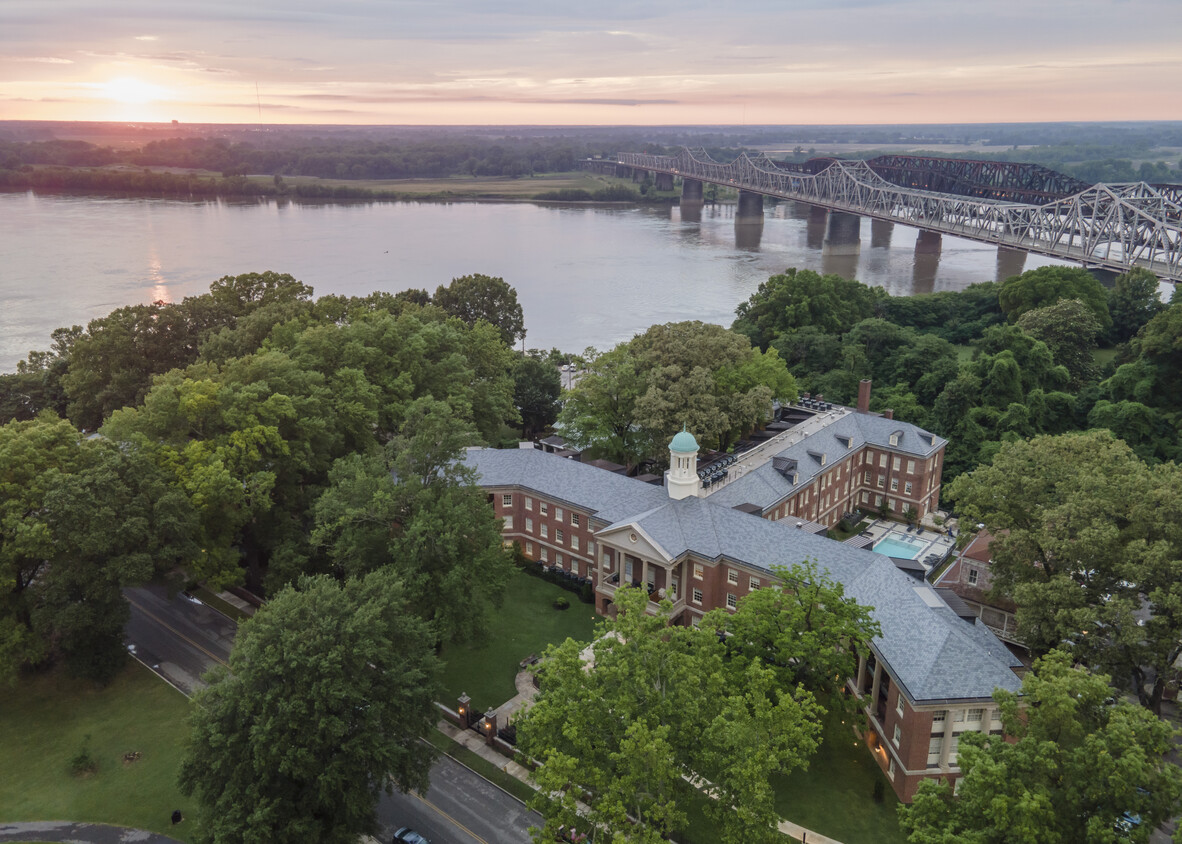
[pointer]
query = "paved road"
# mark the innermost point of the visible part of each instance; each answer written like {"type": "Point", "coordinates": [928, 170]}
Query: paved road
{"type": "Point", "coordinates": [181, 639]}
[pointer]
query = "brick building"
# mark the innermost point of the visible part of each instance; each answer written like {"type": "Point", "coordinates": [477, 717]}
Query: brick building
{"type": "Point", "coordinates": [971, 578]}
{"type": "Point", "coordinates": [931, 673]}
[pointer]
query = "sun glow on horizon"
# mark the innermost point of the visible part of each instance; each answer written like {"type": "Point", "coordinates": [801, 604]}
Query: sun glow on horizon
{"type": "Point", "coordinates": [131, 91]}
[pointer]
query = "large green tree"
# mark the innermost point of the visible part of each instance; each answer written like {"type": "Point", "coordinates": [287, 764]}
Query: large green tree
{"type": "Point", "coordinates": [1077, 768]}
{"type": "Point", "coordinates": [657, 708]}
{"type": "Point", "coordinates": [1045, 286]}
{"type": "Point", "coordinates": [1132, 302]}
{"type": "Point", "coordinates": [329, 689]}
{"type": "Point", "coordinates": [481, 297]}
{"type": "Point", "coordinates": [1070, 330]}
{"type": "Point", "coordinates": [536, 391]}
{"type": "Point", "coordinates": [798, 298]}
{"type": "Point", "coordinates": [1087, 541]}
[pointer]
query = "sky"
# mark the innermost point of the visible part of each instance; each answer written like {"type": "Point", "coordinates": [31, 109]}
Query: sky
{"type": "Point", "coordinates": [635, 62]}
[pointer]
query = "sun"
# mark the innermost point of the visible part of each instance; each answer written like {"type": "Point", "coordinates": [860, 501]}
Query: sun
{"type": "Point", "coordinates": [131, 91]}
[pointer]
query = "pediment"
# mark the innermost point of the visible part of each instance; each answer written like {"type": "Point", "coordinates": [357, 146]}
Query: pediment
{"type": "Point", "coordinates": [632, 539]}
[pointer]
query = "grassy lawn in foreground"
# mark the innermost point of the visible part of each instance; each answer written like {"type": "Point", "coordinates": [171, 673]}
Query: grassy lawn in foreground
{"type": "Point", "coordinates": [525, 623]}
{"type": "Point", "coordinates": [835, 795]}
{"type": "Point", "coordinates": [43, 723]}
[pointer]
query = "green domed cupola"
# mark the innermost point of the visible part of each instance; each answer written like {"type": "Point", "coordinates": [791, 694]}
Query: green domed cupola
{"type": "Point", "coordinates": [684, 442]}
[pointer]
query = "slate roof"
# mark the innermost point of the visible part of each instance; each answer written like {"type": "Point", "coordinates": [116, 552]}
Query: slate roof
{"type": "Point", "coordinates": [931, 652]}
{"type": "Point", "coordinates": [764, 486]}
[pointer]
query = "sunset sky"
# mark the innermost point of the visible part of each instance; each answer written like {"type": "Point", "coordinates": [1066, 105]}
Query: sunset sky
{"type": "Point", "coordinates": [606, 62]}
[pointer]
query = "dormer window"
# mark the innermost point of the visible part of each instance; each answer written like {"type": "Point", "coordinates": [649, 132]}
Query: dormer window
{"type": "Point", "coordinates": [895, 437]}
{"type": "Point", "coordinates": [819, 456]}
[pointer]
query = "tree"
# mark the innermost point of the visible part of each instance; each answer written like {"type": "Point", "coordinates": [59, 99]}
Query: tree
{"type": "Point", "coordinates": [1078, 764]}
{"type": "Point", "coordinates": [1133, 301]}
{"type": "Point", "coordinates": [1045, 286]}
{"type": "Point", "coordinates": [328, 691]}
{"type": "Point", "coordinates": [1087, 542]}
{"type": "Point", "coordinates": [658, 706]}
{"type": "Point", "coordinates": [415, 508]}
{"type": "Point", "coordinates": [536, 390]}
{"type": "Point", "coordinates": [601, 410]}
{"type": "Point", "coordinates": [799, 298]}
{"type": "Point", "coordinates": [476, 297]}
{"type": "Point", "coordinates": [1069, 328]}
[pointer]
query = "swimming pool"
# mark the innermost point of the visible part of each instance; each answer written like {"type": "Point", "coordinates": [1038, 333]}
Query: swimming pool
{"type": "Point", "coordinates": [904, 547]}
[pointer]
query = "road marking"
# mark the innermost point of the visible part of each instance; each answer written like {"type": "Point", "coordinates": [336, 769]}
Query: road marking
{"type": "Point", "coordinates": [168, 626]}
{"type": "Point", "coordinates": [418, 796]}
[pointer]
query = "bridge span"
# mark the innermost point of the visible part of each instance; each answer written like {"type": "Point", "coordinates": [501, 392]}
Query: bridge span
{"type": "Point", "coordinates": [1016, 206]}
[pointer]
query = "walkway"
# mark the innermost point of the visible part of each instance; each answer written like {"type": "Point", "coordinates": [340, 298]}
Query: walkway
{"type": "Point", "coordinates": [80, 833]}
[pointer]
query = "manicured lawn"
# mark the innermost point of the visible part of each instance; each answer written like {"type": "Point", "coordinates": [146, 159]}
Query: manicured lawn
{"type": "Point", "coordinates": [525, 624]}
{"type": "Point", "coordinates": [835, 795]}
{"type": "Point", "coordinates": [43, 724]}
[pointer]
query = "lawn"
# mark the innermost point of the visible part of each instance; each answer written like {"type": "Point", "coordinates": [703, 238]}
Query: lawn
{"type": "Point", "coordinates": [835, 795]}
{"type": "Point", "coordinates": [525, 624]}
{"type": "Point", "coordinates": [44, 721]}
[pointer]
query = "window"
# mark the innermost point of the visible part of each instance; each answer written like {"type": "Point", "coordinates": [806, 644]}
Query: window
{"type": "Point", "coordinates": [545, 530]}
{"type": "Point", "coordinates": [882, 460]}
{"type": "Point", "coordinates": [894, 439]}
{"type": "Point", "coordinates": [545, 555]}
{"type": "Point", "coordinates": [910, 467]}
{"type": "Point", "coordinates": [882, 481]}
{"type": "Point", "coordinates": [935, 747]}
{"type": "Point", "coordinates": [529, 549]}
{"type": "Point", "coordinates": [894, 484]}
{"type": "Point", "coordinates": [558, 536]}
{"type": "Point", "coordinates": [506, 500]}
{"type": "Point", "coordinates": [898, 736]}
{"type": "Point", "coordinates": [529, 503]}
{"type": "Point", "coordinates": [508, 523]}
{"type": "Point", "coordinates": [574, 542]}
{"type": "Point", "coordinates": [591, 550]}
{"type": "Point", "coordinates": [891, 770]}
{"type": "Point", "coordinates": [958, 716]}
{"type": "Point", "coordinates": [907, 488]}
{"type": "Point", "coordinates": [895, 464]}
{"type": "Point", "coordinates": [607, 562]}
{"type": "Point", "coordinates": [698, 571]}
{"type": "Point", "coordinates": [732, 576]}
{"type": "Point", "coordinates": [865, 498]}
{"type": "Point", "coordinates": [938, 718]}
{"type": "Point", "coordinates": [558, 513]}
{"type": "Point", "coordinates": [899, 705]}
{"type": "Point", "coordinates": [976, 714]}
{"type": "Point", "coordinates": [557, 559]}
{"type": "Point", "coordinates": [529, 525]}
{"type": "Point", "coordinates": [953, 747]}
{"type": "Point", "coordinates": [574, 519]}
{"type": "Point", "coordinates": [731, 601]}
{"type": "Point", "coordinates": [866, 477]}
{"type": "Point", "coordinates": [697, 598]}
{"type": "Point", "coordinates": [753, 584]}
{"type": "Point", "coordinates": [544, 508]}
{"type": "Point", "coordinates": [878, 501]}
{"type": "Point", "coordinates": [972, 577]}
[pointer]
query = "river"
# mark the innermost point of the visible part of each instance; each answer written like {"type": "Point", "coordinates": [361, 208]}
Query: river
{"type": "Point", "coordinates": [585, 275]}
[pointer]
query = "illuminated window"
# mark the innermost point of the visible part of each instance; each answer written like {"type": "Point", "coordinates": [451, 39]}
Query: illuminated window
{"type": "Point", "coordinates": [698, 571]}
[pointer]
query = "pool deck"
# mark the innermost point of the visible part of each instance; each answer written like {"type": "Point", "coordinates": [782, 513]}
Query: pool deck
{"type": "Point", "coordinates": [941, 544]}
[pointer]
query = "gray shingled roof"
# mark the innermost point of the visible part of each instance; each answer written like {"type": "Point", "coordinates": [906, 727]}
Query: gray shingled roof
{"type": "Point", "coordinates": [765, 486]}
{"type": "Point", "coordinates": [934, 654]}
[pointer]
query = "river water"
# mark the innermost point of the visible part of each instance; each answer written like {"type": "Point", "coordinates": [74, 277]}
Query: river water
{"type": "Point", "coordinates": [585, 276]}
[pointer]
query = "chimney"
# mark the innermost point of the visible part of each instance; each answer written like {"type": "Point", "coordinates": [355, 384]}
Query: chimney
{"type": "Point", "coordinates": [864, 396]}
{"type": "Point", "coordinates": [888, 413]}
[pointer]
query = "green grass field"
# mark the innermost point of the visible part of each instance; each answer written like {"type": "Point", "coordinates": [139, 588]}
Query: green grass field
{"type": "Point", "coordinates": [835, 795]}
{"type": "Point", "coordinates": [467, 186]}
{"type": "Point", "coordinates": [43, 724]}
{"type": "Point", "coordinates": [525, 624]}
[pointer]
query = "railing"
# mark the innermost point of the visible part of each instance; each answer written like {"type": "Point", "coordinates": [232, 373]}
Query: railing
{"type": "Point", "coordinates": [1118, 226]}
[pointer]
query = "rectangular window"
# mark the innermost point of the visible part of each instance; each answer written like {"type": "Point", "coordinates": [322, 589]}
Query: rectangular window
{"type": "Point", "coordinates": [574, 542]}
{"type": "Point", "coordinates": [529, 525]}
{"type": "Point", "coordinates": [574, 519]}
{"type": "Point", "coordinates": [558, 513]}
{"type": "Point", "coordinates": [591, 550]}
{"type": "Point", "coordinates": [958, 716]}
{"type": "Point", "coordinates": [907, 488]}
{"type": "Point", "coordinates": [697, 599]}
{"type": "Point", "coordinates": [545, 530]}
{"type": "Point", "coordinates": [753, 584]}
{"type": "Point", "coordinates": [953, 747]}
{"type": "Point", "coordinates": [882, 481]}
{"type": "Point", "coordinates": [544, 508]}
{"type": "Point", "coordinates": [508, 523]}
{"type": "Point", "coordinates": [732, 576]}
{"type": "Point", "coordinates": [972, 577]}
{"type": "Point", "coordinates": [899, 705]}
{"type": "Point", "coordinates": [607, 562]}
{"type": "Point", "coordinates": [891, 770]}
{"type": "Point", "coordinates": [866, 477]}
{"type": "Point", "coordinates": [731, 601]}
{"type": "Point", "coordinates": [895, 464]}
{"type": "Point", "coordinates": [976, 714]}
{"type": "Point", "coordinates": [506, 500]}
{"type": "Point", "coordinates": [557, 559]}
{"type": "Point", "coordinates": [545, 554]}
{"type": "Point", "coordinates": [910, 467]}
{"type": "Point", "coordinates": [529, 503]}
{"type": "Point", "coordinates": [935, 747]}
{"type": "Point", "coordinates": [894, 484]}
{"type": "Point", "coordinates": [698, 571]}
{"type": "Point", "coordinates": [938, 718]}
{"type": "Point", "coordinates": [529, 549]}
{"type": "Point", "coordinates": [898, 736]}
{"type": "Point", "coordinates": [558, 536]}
{"type": "Point", "coordinates": [882, 460]}
{"type": "Point", "coordinates": [865, 498]}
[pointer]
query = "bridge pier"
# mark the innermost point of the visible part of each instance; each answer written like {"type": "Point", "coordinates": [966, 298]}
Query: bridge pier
{"type": "Point", "coordinates": [664, 181]}
{"type": "Point", "coordinates": [814, 230]}
{"type": "Point", "coordinates": [880, 233]}
{"type": "Point", "coordinates": [1010, 262]}
{"type": "Point", "coordinates": [750, 209]}
{"type": "Point", "coordinates": [927, 262]}
{"type": "Point", "coordinates": [638, 175]}
{"type": "Point", "coordinates": [691, 191]}
{"type": "Point", "coordinates": [843, 235]}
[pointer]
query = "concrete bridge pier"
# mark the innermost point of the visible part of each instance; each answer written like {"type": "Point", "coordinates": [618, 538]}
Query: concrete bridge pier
{"type": "Point", "coordinates": [1010, 262]}
{"type": "Point", "coordinates": [927, 262]}
{"type": "Point", "coordinates": [843, 235]}
{"type": "Point", "coordinates": [664, 181]}
{"type": "Point", "coordinates": [691, 191]}
{"type": "Point", "coordinates": [880, 234]}
{"type": "Point", "coordinates": [750, 209]}
{"type": "Point", "coordinates": [814, 231]}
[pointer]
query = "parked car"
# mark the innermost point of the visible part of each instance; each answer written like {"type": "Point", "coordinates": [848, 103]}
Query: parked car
{"type": "Point", "coordinates": [409, 836]}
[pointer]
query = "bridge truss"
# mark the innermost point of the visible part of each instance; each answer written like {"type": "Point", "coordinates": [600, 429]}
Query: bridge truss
{"type": "Point", "coordinates": [1114, 226]}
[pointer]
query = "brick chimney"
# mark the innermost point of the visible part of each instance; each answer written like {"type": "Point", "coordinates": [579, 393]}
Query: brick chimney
{"type": "Point", "coordinates": [864, 396]}
{"type": "Point", "coordinates": [889, 413]}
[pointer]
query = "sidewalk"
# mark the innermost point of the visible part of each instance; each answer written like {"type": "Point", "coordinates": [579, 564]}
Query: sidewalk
{"type": "Point", "coordinates": [525, 693]}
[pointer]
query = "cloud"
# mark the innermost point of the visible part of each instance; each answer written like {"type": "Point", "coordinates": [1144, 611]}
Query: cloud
{"type": "Point", "coordinates": [146, 38]}
{"type": "Point", "coordinates": [39, 59]}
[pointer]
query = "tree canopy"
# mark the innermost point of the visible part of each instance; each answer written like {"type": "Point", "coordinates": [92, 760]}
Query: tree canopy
{"type": "Point", "coordinates": [1078, 768]}
{"type": "Point", "coordinates": [482, 297]}
{"type": "Point", "coordinates": [328, 691]}
{"type": "Point", "coordinates": [1045, 286]}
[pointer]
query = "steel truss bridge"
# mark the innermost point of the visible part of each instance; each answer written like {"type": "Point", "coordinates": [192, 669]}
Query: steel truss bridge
{"type": "Point", "coordinates": [1020, 206]}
